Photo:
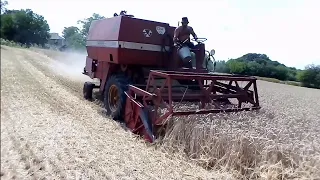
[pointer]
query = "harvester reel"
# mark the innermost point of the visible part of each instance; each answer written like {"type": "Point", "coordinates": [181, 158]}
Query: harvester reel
{"type": "Point", "coordinates": [114, 96]}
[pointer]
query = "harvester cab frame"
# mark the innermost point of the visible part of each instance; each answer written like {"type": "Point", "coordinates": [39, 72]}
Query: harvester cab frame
{"type": "Point", "coordinates": [140, 71]}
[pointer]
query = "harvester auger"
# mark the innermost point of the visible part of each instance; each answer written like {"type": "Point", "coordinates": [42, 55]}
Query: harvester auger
{"type": "Point", "coordinates": [140, 71]}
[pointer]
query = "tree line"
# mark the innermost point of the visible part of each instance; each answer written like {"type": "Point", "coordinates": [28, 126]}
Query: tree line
{"type": "Point", "coordinates": [23, 26]}
{"type": "Point", "coordinates": [75, 37]}
{"type": "Point", "coordinates": [29, 28]}
{"type": "Point", "coordinates": [254, 64]}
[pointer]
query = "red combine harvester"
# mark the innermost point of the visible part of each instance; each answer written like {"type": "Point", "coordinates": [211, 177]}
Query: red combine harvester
{"type": "Point", "coordinates": [140, 71]}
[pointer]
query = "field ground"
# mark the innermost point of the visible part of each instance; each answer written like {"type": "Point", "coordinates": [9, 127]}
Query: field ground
{"type": "Point", "coordinates": [49, 130]}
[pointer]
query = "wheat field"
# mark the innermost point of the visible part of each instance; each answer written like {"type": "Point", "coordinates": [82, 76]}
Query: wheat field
{"type": "Point", "coordinates": [49, 131]}
{"type": "Point", "coordinates": [280, 141]}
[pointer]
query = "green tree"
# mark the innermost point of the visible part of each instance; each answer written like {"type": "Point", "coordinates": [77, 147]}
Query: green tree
{"type": "Point", "coordinates": [24, 26]}
{"type": "Point", "coordinates": [310, 77]}
{"type": "Point", "coordinates": [221, 67]}
{"type": "Point", "coordinates": [292, 74]}
{"type": "Point", "coordinates": [236, 67]}
{"type": "Point", "coordinates": [73, 37]}
{"type": "Point", "coordinates": [8, 30]}
{"type": "Point", "coordinates": [254, 68]}
{"type": "Point", "coordinates": [86, 23]}
{"type": "Point", "coordinates": [281, 72]}
{"type": "Point", "coordinates": [70, 31]}
{"type": "Point", "coordinates": [255, 64]}
{"type": "Point", "coordinates": [3, 5]}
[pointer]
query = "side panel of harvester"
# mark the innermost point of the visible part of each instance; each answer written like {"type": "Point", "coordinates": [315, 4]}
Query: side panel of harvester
{"type": "Point", "coordinates": [121, 40]}
{"type": "Point", "coordinates": [101, 46]}
{"type": "Point", "coordinates": [143, 41]}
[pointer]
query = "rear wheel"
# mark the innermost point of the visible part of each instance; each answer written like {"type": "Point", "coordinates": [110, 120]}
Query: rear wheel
{"type": "Point", "coordinates": [114, 97]}
{"type": "Point", "coordinates": [87, 90]}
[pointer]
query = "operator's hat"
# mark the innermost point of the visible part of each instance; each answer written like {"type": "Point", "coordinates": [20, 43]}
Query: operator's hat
{"type": "Point", "coordinates": [185, 20]}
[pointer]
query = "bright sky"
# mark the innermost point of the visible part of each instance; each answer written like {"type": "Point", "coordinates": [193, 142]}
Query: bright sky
{"type": "Point", "coordinates": [287, 31]}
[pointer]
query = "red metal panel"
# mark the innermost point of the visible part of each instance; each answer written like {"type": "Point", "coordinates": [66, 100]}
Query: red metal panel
{"type": "Point", "coordinates": [138, 57]}
{"type": "Point", "coordinates": [92, 52]}
{"type": "Point", "coordinates": [171, 30]}
{"type": "Point", "coordinates": [132, 30]}
{"type": "Point", "coordinates": [105, 29]}
{"type": "Point", "coordinates": [104, 54]}
{"type": "Point", "coordinates": [127, 29]}
{"type": "Point", "coordinates": [102, 73]}
{"type": "Point", "coordinates": [88, 67]}
{"type": "Point", "coordinates": [102, 69]}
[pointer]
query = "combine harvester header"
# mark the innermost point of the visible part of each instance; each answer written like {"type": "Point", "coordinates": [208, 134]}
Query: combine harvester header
{"type": "Point", "coordinates": [141, 71]}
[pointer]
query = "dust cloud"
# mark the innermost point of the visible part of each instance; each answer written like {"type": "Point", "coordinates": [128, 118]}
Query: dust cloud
{"type": "Point", "coordinates": [70, 64]}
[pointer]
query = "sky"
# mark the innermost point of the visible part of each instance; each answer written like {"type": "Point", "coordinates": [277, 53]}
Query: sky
{"type": "Point", "coordinates": [287, 31]}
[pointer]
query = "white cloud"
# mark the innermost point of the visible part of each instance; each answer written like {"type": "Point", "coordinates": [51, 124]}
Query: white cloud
{"type": "Point", "coordinates": [286, 30]}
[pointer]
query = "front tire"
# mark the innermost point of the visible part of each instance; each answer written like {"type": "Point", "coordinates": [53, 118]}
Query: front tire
{"type": "Point", "coordinates": [114, 96]}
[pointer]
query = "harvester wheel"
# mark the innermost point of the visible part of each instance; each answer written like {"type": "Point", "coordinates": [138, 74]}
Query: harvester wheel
{"type": "Point", "coordinates": [87, 90]}
{"type": "Point", "coordinates": [114, 97]}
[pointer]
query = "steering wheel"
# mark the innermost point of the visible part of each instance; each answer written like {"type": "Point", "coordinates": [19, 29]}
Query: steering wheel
{"type": "Point", "coordinates": [199, 40]}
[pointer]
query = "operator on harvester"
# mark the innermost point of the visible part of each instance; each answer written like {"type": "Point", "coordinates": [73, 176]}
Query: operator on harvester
{"type": "Point", "coordinates": [181, 39]}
